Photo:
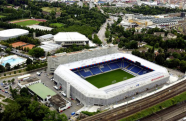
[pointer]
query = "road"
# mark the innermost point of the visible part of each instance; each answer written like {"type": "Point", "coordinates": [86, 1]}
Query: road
{"type": "Point", "coordinates": [101, 33]}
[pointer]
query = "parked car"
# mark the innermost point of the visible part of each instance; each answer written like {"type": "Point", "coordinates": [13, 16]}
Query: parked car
{"type": "Point", "coordinates": [55, 87]}
{"type": "Point", "coordinates": [63, 94]}
{"type": "Point", "coordinates": [6, 87]}
{"type": "Point", "coordinates": [38, 73]}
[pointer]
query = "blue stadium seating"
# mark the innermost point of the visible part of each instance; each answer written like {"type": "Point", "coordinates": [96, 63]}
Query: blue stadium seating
{"type": "Point", "coordinates": [113, 65]}
{"type": "Point", "coordinates": [119, 63]}
{"type": "Point", "coordinates": [144, 71]}
{"type": "Point", "coordinates": [105, 68]}
{"type": "Point", "coordinates": [76, 72]}
{"type": "Point", "coordinates": [135, 69]}
{"type": "Point", "coordinates": [85, 74]}
{"type": "Point", "coordinates": [131, 66]}
{"type": "Point", "coordinates": [95, 70]}
{"type": "Point", "coordinates": [126, 64]}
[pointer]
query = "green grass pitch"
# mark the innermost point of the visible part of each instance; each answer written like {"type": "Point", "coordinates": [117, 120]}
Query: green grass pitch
{"type": "Point", "coordinates": [29, 22]}
{"type": "Point", "coordinates": [109, 78]}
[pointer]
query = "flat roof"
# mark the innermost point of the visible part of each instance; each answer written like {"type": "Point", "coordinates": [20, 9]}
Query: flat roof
{"type": "Point", "coordinates": [29, 80]}
{"type": "Point", "coordinates": [70, 36]}
{"type": "Point", "coordinates": [58, 100]}
{"type": "Point", "coordinates": [40, 27]}
{"type": "Point", "coordinates": [41, 90]}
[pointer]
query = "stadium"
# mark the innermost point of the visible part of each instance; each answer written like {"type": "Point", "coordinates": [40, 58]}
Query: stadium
{"type": "Point", "coordinates": [110, 78]}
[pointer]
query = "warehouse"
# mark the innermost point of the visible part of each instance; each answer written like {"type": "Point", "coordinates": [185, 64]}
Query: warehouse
{"type": "Point", "coordinates": [12, 33]}
{"type": "Point", "coordinates": [70, 38]}
{"type": "Point", "coordinates": [73, 77]}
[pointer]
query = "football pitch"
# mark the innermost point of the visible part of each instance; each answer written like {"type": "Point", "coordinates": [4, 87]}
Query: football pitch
{"type": "Point", "coordinates": [29, 22]}
{"type": "Point", "coordinates": [109, 78]}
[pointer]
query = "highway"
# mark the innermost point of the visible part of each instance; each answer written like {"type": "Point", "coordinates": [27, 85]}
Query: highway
{"type": "Point", "coordinates": [132, 108]}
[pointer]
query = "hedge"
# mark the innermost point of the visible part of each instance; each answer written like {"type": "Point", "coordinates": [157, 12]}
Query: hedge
{"type": "Point", "coordinates": [149, 111]}
{"type": "Point", "coordinates": [90, 113]}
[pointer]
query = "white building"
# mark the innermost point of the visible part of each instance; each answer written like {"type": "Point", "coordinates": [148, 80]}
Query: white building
{"type": "Point", "coordinates": [47, 37]}
{"type": "Point", "coordinates": [70, 38]}
{"type": "Point", "coordinates": [40, 27]}
{"type": "Point", "coordinates": [12, 33]}
{"type": "Point", "coordinates": [50, 47]}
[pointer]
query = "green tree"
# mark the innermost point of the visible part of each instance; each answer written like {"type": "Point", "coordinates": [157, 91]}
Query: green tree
{"type": "Point", "coordinates": [54, 116]}
{"type": "Point", "coordinates": [28, 61]}
{"type": "Point", "coordinates": [37, 52]}
{"type": "Point", "coordinates": [7, 66]}
{"type": "Point", "coordinates": [2, 68]}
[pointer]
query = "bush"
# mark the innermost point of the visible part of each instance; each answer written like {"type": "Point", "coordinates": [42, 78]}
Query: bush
{"type": "Point", "coordinates": [19, 71]}
{"type": "Point", "coordinates": [90, 113]}
{"type": "Point", "coordinates": [14, 72]}
{"type": "Point", "coordinates": [4, 74]}
{"type": "Point", "coordinates": [10, 73]}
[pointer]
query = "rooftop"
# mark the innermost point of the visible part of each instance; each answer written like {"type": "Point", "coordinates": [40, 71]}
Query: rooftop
{"type": "Point", "coordinates": [70, 36]}
{"type": "Point", "coordinates": [29, 80]}
{"type": "Point", "coordinates": [13, 32]}
{"type": "Point", "coordinates": [58, 100]}
{"type": "Point", "coordinates": [40, 27]}
{"type": "Point", "coordinates": [41, 90]}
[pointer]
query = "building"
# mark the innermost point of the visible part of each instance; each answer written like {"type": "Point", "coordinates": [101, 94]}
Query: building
{"type": "Point", "coordinates": [59, 103]}
{"type": "Point", "coordinates": [42, 92]}
{"type": "Point", "coordinates": [47, 37]}
{"type": "Point", "coordinates": [26, 80]}
{"type": "Point", "coordinates": [12, 33]}
{"type": "Point", "coordinates": [70, 38]}
{"type": "Point", "coordinates": [50, 47]}
{"type": "Point", "coordinates": [171, 36]}
{"type": "Point", "coordinates": [63, 58]}
{"type": "Point", "coordinates": [44, 28]}
{"type": "Point", "coordinates": [162, 34]}
{"type": "Point", "coordinates": [73, 78]}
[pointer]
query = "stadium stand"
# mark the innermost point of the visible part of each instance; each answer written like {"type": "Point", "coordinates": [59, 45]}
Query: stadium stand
{"type": "Point", "coordinates": [113, 65]}
{"type": "Point", "coordinates": [125, 65]}
{"type": "Point", "coordinates": [95, 70]}
{"type": "Point", "coordinates": [85, 74]}
{"type": "Point", "coordinates": [105, 68]}
{"type": "Point", "coordinates": [135, 69]}
{"type": "Point", "coordinates": [130, 66]}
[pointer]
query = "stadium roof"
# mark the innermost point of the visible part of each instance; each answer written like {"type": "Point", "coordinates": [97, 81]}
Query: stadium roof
{"type": "Point", "coordinates": [13, 32]}
{"type": "Point", "coordinates": [70, 36]}
{"type": "Point", "coordinates": [47, 36]}
{"type": "Point", "coordinates": [90, 90]}
{"type": "Point", "coordinates": [41, 90]}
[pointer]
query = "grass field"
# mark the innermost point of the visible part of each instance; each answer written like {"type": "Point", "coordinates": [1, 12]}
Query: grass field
{"type": "Point", "coordinates": [29, 22]}
{"type": "Point", "coordinates": [109, 78]}
{"type": "Point", "coordinates": [57, 24]}
{"type": "Point", "coordinates": [48, 9]}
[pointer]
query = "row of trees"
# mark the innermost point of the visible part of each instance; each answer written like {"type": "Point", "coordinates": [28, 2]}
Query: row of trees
{"type": "Point", "coordinates": [177, 62]}
{"type": "Point", "coordinates": [35, 66]}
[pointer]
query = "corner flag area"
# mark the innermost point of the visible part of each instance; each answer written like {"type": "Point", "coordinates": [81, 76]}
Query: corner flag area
{"type": "Point", "coordinates": [109, 78]}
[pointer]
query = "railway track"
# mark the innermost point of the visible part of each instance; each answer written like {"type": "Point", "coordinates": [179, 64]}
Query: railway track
{"type": "Point", "coordinates": [134, 107]}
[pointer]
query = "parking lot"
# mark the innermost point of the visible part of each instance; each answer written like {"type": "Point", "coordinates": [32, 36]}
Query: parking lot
{"type": "Point", "coordinates": [47, 81]}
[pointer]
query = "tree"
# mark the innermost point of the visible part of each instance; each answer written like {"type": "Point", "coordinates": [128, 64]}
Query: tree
{"type": "Point", "coordinates": [24, 92]}
{"type": "Point", "coordinates": [2, 68]}
{"type": "Point", "coordinates": [12, 80]}
{"type": "Point", "coordinates": [37, 52]}
{"type": "Point", "coordinates": [9, 81]}
{"type": "Point", "coordinates": [54, 116]}
{"type": "Point", "coordinates": [12, 112]}
{"type": "Point", "coordinates": [7, 66]}
{"type": "Point", "coordinates": [8, 50]}
{"type": "Point", "coordinates": [4, 82]}
{"type": "Point", "coordinates": [28, 61]}
{"type": "Point", "coordinates": [160, 59]}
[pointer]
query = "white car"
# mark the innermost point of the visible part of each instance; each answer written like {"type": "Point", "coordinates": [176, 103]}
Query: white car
{"type": "Point", "coordinates": [55, 87]}
{"type": "Point", "coordinates": [64, 94]}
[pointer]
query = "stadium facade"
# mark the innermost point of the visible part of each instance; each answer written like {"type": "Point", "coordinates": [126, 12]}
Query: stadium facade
{"type": "Point", "coordinates": [72, 78]}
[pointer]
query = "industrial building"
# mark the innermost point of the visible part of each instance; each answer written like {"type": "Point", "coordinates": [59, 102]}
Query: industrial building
{"type": "Point", "coordinates": [70, 38]}
{"type": "Point", "coordinates": [50, 47]}
{"type": "Point", "coordinates": [72, 78]}
{"type": "Point", "coordinates": [12, 33]}
{"type": "Point", "coordinates": [44, 28]}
